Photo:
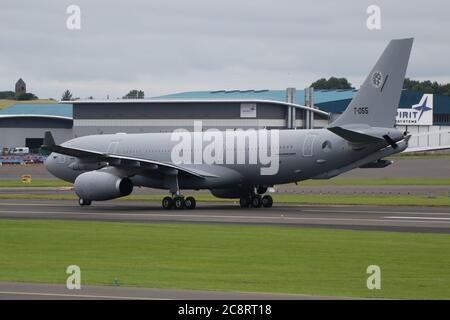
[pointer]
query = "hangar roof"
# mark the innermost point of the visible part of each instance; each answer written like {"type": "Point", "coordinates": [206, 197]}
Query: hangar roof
{"type": "Point", "coordinates": [333, 101]}
{"type": "Point", "coordinates": [38, 109]}
{"type": "Point", "coordinates": [320, 96]}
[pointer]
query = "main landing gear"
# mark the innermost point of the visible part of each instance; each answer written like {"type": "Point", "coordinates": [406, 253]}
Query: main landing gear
{"type": "Point", "coordinates": [256, 201]}
{"type": "Point", "coordinates": [84, 202]}
{"type": "Point", "coordinates": [179, 202]}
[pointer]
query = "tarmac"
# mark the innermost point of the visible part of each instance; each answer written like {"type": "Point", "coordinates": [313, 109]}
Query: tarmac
{"type": "Point", "coordinates": [36, 291]}
{"type": "Point", "coordinates": [386, 218]}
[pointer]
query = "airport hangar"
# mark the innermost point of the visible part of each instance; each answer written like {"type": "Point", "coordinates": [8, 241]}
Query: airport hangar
{"type": "Point", "coordinates": [25, 124]}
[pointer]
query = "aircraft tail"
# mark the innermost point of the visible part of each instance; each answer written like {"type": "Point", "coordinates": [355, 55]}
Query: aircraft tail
{"type": "Point", "coordinates": [377, 101]}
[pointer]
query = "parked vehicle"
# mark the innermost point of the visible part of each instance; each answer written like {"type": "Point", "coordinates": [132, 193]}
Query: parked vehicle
{"type": "Point", "coordinates": [20, 150]}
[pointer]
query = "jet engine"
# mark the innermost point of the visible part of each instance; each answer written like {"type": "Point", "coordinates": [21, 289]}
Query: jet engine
{"type": "Point", "coordinates": [100, 185]}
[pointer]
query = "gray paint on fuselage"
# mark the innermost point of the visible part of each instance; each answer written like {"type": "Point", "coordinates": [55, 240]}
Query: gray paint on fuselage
{"type": "Point", "coordinates": [328, 152]}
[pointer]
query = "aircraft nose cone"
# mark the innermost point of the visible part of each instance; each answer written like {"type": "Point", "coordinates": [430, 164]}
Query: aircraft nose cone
{"type": "Point", "coordinates": [49, 163]}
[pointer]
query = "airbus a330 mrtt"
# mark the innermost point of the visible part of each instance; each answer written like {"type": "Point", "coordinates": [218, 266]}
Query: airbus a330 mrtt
{"type": "Point", "coordinates": [104, 167]}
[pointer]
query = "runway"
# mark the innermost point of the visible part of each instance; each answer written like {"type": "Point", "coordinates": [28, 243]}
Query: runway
{"type": "Point", "coordinates": [388, 218]}
{"type": "Point", "coordinates": [36, 291]}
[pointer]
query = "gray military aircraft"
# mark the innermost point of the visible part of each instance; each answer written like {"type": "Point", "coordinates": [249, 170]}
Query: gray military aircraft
{"type": "Point", "coordinates": [104, 167]}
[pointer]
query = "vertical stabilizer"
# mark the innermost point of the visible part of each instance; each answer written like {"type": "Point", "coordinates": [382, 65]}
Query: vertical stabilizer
{"type": "Point", "coordinates": [377, 100]}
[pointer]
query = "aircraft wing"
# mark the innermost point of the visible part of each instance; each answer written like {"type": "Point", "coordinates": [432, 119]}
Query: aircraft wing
{"type": "Point", "coordinates": [121, 161]}
{"type": "Point", "coordinates": [418, 149]}
{"type": "Point", "coordinates": [431, 147]}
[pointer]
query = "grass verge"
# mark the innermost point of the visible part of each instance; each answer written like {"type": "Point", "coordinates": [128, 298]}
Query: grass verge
{"type": "Point", "coordinates": [235, 258]}
{"type": "Point", "coordinates": [9, 183]}
{"type": "Point", "coordinates": [7, 102]}
{"type": "Point", "coordinates": [378, 200]}
{"type": "Point", "coordinates": [38, 183]}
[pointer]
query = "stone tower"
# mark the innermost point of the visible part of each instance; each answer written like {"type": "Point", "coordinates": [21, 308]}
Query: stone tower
{"type": "Point", "coordinates": [21, 87]}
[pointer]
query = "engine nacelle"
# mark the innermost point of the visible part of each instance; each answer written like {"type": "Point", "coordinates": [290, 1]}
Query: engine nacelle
{"type": "Point", "coordinates": [99, 185]}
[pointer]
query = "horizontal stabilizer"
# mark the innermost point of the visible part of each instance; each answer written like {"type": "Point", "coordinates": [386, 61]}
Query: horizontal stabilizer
{"type": "Point", "coordinates": [354, 136]}
{"type": "Point", "coordinates": [425, 149]}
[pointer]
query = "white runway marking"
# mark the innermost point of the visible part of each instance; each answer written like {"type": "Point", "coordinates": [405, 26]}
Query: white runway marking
{"type": "Point", "coordinates": [323, 210]}
{"type": "Point", "coordinates": [419, 218]}
{"type": "Point", "coordinates": [228, 217]}
{"type": "Point", "coordinates": [74, 295]}
{"type": "Point", "coordinates": [377, 211]}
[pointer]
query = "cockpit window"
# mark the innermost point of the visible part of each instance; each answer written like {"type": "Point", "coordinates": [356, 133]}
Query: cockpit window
{"type": "Point", "coordinates": [326, 146]}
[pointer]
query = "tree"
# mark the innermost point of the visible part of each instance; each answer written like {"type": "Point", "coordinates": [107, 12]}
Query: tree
{"type": "Point", "coordinates": [7, 95]}
{"type": "Point", "coordinates": [427, 86]}
{"type": "Point", "coordinates": [332, 83]}
{"type": "Point", "coordinates": [27, 96]}
{"type": "Point", "coordinates": [67, 96]}
{"type": "Point", "coordinates": [134, 94]}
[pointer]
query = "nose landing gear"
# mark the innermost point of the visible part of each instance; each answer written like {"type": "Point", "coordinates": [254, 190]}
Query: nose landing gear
{"type": "Point", "coordinates": [84, 202]}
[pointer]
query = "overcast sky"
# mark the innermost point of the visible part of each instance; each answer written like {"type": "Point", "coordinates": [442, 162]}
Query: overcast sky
{"type": "Point", "coordinates": [169, 46]}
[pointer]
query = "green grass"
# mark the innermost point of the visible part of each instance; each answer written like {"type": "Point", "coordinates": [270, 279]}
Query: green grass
{"type": "Point", "coordinates": [379, 200]}
{"type": "Point", "coordinates": [9, 183]}
{"type": "Point", "coordinates": [235, 258]}
{"type": "Point", "coordinates": [422, 155]}
{"type": "Point", "coordinates": [378, 182]}
{"type": "Point", "coordinates": [7, 102]}
{"type": "Point", "coordinates": [358, 199]}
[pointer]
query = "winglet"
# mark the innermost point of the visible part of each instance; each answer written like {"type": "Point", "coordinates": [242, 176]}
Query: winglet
{"type": "Point", "coordinates": [48, 140]}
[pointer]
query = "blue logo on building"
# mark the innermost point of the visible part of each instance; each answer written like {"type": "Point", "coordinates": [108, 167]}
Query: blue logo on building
{"type": "Point", "coordinates": [420, 114]}
{"type": "Point", "coordinates": [422, 107]}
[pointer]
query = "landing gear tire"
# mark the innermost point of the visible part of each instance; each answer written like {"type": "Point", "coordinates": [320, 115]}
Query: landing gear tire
{"type": "Point", "coordinates": [244, 202]}
{"type": "Point", "coordinates": [167, 203]}
{"type": "Point", "coordinates": [190, 203]}
{"type": "Point", "coordinates": [256, 201]}
{"type": "Point", "coordinates": [267, 202]}
{"type": "Point", "coordinates": [179, 203]}
{"type": "Point", "coordinates": [84, 202]}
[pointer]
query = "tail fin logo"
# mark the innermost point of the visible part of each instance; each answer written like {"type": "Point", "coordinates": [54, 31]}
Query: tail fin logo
{"type": "Point", "coordinates": [377, 79]}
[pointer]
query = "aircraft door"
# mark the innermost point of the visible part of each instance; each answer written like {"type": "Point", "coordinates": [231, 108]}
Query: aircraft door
{"type": "Point", "coordinates": [308, 145]}
{"type": "Point", "coordinates": [112, 148]}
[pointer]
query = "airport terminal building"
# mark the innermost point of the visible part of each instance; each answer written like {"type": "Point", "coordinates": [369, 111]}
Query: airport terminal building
{"type": "Point", "coordinates": [23, 125]}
